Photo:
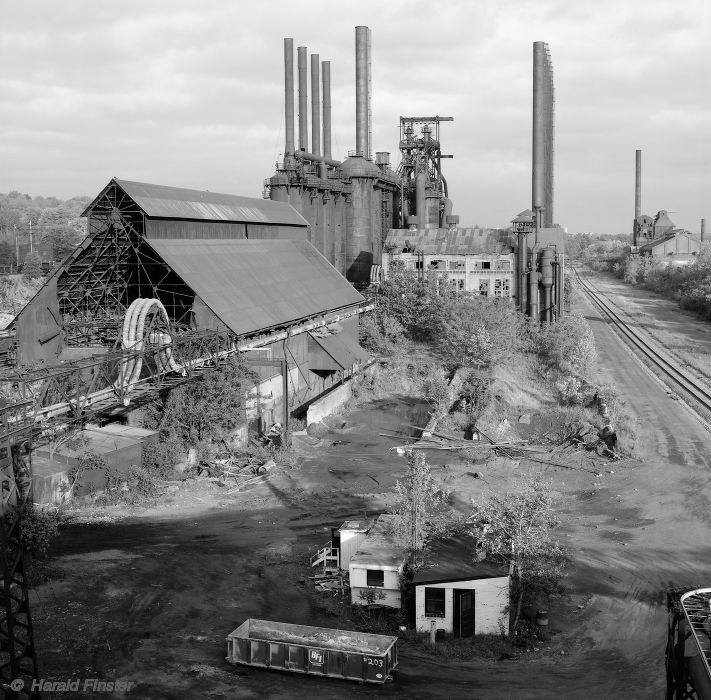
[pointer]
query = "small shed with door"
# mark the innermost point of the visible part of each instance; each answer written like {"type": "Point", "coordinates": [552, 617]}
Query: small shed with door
{"type": "Point", "coordinates": [459, 595]}
{"type": "Point", "coordinates": [377, 565]}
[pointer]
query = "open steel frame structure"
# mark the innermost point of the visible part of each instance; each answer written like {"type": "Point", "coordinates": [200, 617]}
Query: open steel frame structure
{"type": "Point", "coordinates": [688, 653]}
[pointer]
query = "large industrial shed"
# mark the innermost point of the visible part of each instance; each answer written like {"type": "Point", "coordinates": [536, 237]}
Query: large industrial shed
{"type": "Point", "coordinates": [216, 263]}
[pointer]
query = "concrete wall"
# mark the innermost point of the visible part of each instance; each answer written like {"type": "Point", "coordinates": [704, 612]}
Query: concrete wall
{"type": "Point", "coordinates": [491, 598]}
{"type": "Point", "coordinates": [329, 404]}
{"type": "Point", "coordinates": [391, 588]}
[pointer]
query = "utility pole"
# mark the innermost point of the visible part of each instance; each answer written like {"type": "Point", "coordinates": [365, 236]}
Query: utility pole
{"type": "Point", "coordinates": [30, 235]}
{"type": "Point", "coordinates": [17, 247]}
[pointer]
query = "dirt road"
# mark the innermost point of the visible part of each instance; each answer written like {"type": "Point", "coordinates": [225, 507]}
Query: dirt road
{"type": "Point", "coordinates": [151, 598]}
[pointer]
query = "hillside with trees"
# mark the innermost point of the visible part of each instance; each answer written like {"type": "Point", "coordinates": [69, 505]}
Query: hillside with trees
{"type": "Point", "coordinates": [53, 225]}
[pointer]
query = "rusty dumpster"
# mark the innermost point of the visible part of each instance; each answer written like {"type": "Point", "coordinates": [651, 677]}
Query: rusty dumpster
{"type": "Point", "coordinates": [357, 656]}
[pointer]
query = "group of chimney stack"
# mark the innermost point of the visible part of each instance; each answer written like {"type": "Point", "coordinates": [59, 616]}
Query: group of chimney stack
{"type": "Point", "coordinates": [321, 99]}
{"type": "Point", "coordinates": [324, 68]}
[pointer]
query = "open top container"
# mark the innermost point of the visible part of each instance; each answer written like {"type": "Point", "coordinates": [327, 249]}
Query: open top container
{"type": "Point", "coordinates": [321, 651]}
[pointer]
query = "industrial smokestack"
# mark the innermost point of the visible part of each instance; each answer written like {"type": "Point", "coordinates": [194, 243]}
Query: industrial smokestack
{"type": "Point", "coordinates": [289, 95]}
{"type": "Point", "coordinates": [303, 100]}
{"type": "Point", "coordinates": [542, 169]}
{"type": "Point", "coordinates": [538, 126]}
{"type": "Point", "coordinates": [326, 101]}
{"type": "Point", "coordinates": [703, 229]}
{"type": "Point", "coordinates": [637, 184]}
{"type": "Point", "coordinates": [362, 43]}
{"type": "Point", "coordinates": [315, 106]}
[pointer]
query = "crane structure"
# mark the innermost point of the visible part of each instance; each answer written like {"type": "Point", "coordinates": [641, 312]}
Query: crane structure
{"type": "Point", "coordinates": [424, 191]}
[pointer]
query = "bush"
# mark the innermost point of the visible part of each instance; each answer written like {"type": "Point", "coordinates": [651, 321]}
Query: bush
{"type": "Point", "coordinates": [160, 458]}
{"type": "Point", "coordinates": [38, 529]}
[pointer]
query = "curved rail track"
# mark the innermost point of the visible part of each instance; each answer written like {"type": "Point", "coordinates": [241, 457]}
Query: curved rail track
{"type": "Point", "coordinates": [666, 364]}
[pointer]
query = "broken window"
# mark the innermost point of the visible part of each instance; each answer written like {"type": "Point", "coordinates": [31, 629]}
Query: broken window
{"type": "Point", "coordinates": [374, 577]}
{"type": "Point", "coordinates": [503, 264]}
{"type": "Point", "coordinates": [497, 287]}
{"type": "Point", "coordinates": [438, 264]}
{"type": "Point", "coordinates": [434, 602]}
{"type": "Point", "coordinates": [457, 265]}
{"type": "Point", "coordinates": [506, 287]}
{"type": "Point", "coordinates": [456, 284]}
{"type": "Point", "coordinates": [486, 264]}
{"type": "Point", "coordinates": [484, 288]}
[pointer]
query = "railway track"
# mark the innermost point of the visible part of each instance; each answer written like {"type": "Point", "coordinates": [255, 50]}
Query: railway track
{"type": "Point", "coordinates": [664, 362]}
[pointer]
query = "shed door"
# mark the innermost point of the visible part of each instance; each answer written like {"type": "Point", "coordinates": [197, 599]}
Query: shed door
{"type": "Point", "coordinates": [463, 613]}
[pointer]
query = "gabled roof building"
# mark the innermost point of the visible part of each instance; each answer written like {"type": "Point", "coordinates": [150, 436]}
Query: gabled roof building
{"type": "Point", "coordinates": [215, 263]}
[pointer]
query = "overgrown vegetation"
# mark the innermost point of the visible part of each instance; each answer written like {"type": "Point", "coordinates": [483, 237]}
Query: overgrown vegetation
{"type": "Point", "coordinates": [421, 509]}
{"type": "Point", "coordinates": [515, 527]}
{"type": "Point", "coordinates": [689, 285]}
{"type": "Point", "coordinates": [55, 225]}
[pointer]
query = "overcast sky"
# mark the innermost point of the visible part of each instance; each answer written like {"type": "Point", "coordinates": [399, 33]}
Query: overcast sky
{"type": "Point", "coordinates": [191, 94]}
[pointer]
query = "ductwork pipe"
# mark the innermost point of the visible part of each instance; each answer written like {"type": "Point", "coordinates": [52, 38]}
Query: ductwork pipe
{"type": "Point", "coordinates": [289, 95]}
{"type": "Point", "coordinates": [547, 258]}
{"type": "Point", "coordinates": [326, 102]}
{"type": "Point", "coordinates": [303, 99]}
{"type": "Point", "coordinates": [315, 105]}
{"type": "Point", "coordinates": [703, 229]}
{"type": "Point", "coordinates": [421, 200]}
{"type": "Point", "coordinates": [313, 158]}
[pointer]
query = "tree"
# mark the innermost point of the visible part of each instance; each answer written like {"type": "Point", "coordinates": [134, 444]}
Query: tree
{"type": "Point", "coordinates": [421, 508]}
{"type": "Point", "coordinates": [414, 300]}
{"type": "Point", "coordinates": [206, 408]}
{"type": "Point", "coordinates": [516, 528]}
{"type": "Point", "coordinates": [478, 331]}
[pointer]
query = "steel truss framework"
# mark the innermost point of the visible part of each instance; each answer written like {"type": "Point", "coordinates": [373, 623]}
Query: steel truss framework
{"type": "Point", "coordinates": [110, 269]}
{"type": "Point", "coordinates": [420, 153]}
{"type": "Point", "coordinates": [689, 641]}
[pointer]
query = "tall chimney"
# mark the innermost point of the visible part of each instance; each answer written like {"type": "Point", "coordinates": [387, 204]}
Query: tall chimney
{"type": "Point", "coordinates": [289, 95]}
{"type": "Point", "coordinates": [315, 106]}
{"type": "Point", "coordinates": [538, 129]}
{"type": "Point", "coordinates": [326, 101]}
{"type": "Point", "coordinates": [637, 184]}
{"type": "Point", "coordinates": [362, 107]}
{"type": "Point", "coordinates": [703, 229]}
{"type": "Point", "coordinates": [303, 100]}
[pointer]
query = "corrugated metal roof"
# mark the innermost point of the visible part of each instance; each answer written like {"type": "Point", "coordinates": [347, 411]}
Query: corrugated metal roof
{"type": "Point", "coordinates": [442, 241]}
{"type": "Point", "coordinates": [258, 284]}
{"type": "Point", "coordinates": [164, 202]}
{"type": "Point", "coordinates": [342, 348]}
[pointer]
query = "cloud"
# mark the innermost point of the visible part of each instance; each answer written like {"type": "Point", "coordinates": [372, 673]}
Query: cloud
{"type": "Point", "coordinates": [187, 94]}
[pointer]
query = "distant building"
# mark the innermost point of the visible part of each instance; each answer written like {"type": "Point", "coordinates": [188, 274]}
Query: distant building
{"type": "Point", "coordinates": [677, 247]}
{"type": "Point", "coordinates": [477, 260]}
{"type": "Point", "coordinates": [659, 238]}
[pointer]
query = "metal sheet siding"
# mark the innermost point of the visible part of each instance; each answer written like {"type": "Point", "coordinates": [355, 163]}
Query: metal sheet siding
{"type": "Point", "coordinates": [180, 228]}
{"type": "Point", "coordinates": [178, 203]}
{"type": "Point", "coordinates": [256, 285]}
